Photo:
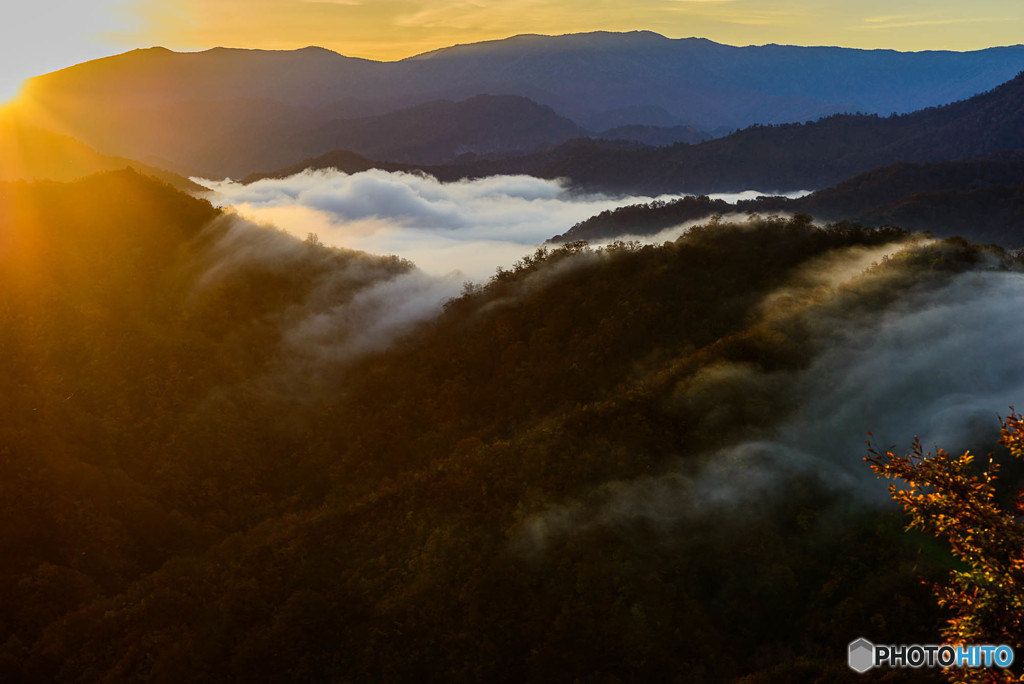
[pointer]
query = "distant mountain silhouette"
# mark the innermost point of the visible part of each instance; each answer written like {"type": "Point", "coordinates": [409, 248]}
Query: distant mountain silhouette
{"type": "Point", "coordinates": [865, 194]}
{"type": "Point", "coordinates": [787, 157]}
{"type": "Point", "coordinates": [702, 83]}
{"type": "Point", "coordinates": [230, 112]}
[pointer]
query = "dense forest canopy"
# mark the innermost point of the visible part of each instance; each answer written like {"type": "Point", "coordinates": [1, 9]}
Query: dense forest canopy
{"type": "Point", "coordinates": [575, 471]}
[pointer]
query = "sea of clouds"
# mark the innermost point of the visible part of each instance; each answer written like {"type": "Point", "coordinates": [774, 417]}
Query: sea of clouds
{"type": "Point", "coordinates": [468, 227]}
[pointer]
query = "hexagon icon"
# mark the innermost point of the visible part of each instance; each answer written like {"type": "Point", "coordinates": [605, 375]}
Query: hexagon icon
{"type": "Point", "coordinates": [862, 655]}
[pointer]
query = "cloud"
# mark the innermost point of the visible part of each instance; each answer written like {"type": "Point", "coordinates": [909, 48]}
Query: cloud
{"type": "Point", "coordinates": [942, 365]}
{"type": "Point", "coordinates": [906, 21]}
{"type": "Point", "coordinates": [470, 227]}
{"type": "Point", "coordinates": [352, 303]}
{"type": "Point", "coordinates": [373, 318]}
{"type": "Point", "coordinates": [453, 232]}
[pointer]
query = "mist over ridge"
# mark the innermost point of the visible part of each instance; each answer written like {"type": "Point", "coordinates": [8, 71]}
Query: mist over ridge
{"type": "Point", "coordinates": [941, 364]}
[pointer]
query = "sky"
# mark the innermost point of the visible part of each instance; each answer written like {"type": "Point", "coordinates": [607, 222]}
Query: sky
{"type": "Point", "coordinates": [46, 35]}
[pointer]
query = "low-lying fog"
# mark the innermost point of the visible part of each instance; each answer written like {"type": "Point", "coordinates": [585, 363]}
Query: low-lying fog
{"type": "Point", "coordinates": [471, 227]}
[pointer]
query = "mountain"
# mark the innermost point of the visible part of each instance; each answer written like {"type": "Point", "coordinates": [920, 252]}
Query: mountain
{"type": "Point", "coordinates": [195, 113]}
{"type": "Point", "coordinates": [534, 163]}
{"type": "Point", "coordinates": [894, 183]}
{"type": "Point", "coordinates": [442, 131]}
{"type": "Point", "coordinates": [31, 153]}
{"type": "Point", "coordinates": [782, 158]}
{"type": "Point", "coordinates": [224, 137]}
{"type": "Point", "coordinates": [706, 84]}
{"type": "Point", "coordinates": [341, 160]}
{"type": "Point", "coordinates": [979, 199]}
{"type": "Point", "coordinates": [655, 136]}
{"type": "Point", "coordinates": [542, 482]}
{"type": "Point", "coordinates": [200, 113]}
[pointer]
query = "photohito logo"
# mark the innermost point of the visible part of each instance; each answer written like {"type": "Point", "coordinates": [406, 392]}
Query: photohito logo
{"type": "Point", "coordinates": [864, 655]}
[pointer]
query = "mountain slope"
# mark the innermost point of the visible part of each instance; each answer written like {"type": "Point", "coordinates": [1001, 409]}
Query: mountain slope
{"type": "Point", "coordinates": [31, 153]}
{"type": "Point", "coordinates": [189, 495]}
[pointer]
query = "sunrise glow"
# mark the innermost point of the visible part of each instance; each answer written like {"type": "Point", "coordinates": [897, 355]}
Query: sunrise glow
{"type": "Point", "coordinates": [39, 37]}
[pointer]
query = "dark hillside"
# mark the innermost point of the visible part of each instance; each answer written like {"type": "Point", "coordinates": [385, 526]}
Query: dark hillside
{"type": "Point", "coordinates": [120, 448]}
{"type": "Point", "coordinates": [189, 495]}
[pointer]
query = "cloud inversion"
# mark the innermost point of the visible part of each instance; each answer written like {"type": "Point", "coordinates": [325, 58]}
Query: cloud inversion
{"type": "Point", "coordinates": [470, 226]}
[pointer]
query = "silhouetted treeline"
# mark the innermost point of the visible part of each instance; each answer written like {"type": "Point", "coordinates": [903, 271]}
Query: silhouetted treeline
{"type": "Point", "coordinates": [191, 495]}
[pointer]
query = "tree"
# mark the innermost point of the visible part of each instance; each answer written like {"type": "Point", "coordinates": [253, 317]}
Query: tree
{"type": "Point", "coordinates": [951, 498]}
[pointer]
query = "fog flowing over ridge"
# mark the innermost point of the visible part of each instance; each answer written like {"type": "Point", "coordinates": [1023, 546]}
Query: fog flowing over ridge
{"type": "Point", "coordinates": [349, 310]}
{"type": "Point", "coordinates": [938, 364]}
{"type": "Point", "coordinates": [470, 227]}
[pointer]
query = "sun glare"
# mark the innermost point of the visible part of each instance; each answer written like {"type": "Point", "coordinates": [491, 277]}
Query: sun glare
{"type": "Point", "coordinates": [9, 89]}
{"type": "Point", "coordinates": [47, 35]}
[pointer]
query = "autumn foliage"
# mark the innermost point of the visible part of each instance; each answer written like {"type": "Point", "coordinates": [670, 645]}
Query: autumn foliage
{"type": "Point", "coordinates": [952, 498]}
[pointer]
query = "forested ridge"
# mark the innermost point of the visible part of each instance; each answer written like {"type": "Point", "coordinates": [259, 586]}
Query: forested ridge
{"type": "Point", "coordinates": [979, 199]}
{"type": "Point", "coordinates": [191, 494]}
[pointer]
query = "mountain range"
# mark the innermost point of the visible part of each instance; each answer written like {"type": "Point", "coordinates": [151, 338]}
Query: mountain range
{"type": "Point", "coordinates": [782, 158]}
{"type": "Point", "coordinates": [232, 112]}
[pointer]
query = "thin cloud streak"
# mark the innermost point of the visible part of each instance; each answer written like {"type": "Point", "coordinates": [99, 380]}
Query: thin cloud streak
{"type": "Point", "coordinates": [884, 23]}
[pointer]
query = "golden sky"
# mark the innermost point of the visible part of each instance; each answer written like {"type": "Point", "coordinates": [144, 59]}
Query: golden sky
{"type": "Point", "coordinates": [45, 35]}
